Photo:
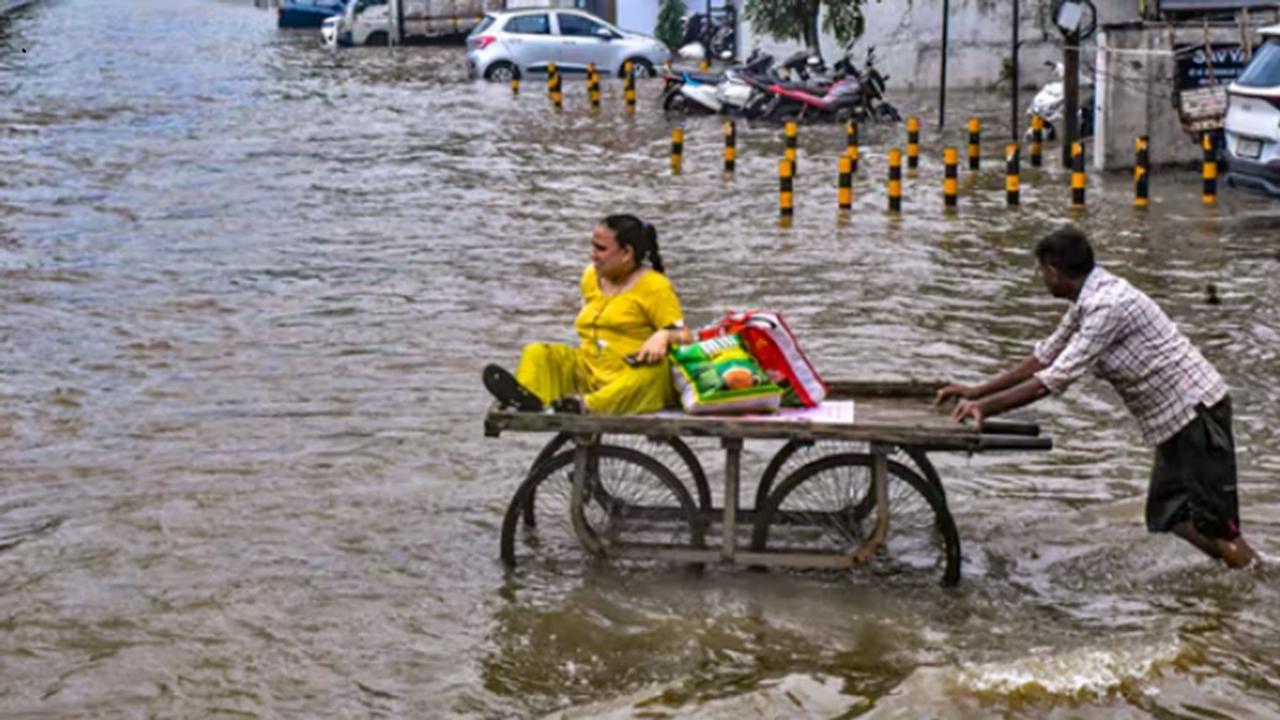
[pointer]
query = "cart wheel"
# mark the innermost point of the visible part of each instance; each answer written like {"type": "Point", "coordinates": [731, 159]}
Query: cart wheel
{"type": "Point", "coordinates": [828, 506]}
{"type": "Point", "coordinates": [797, 453]}
{"type": "Point", "coordinates": [631, 498]}
{"type": "Point", "coordinates": [672, 452]}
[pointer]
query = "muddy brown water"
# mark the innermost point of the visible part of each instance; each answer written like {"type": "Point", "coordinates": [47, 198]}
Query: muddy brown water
{"type": "Point", "coordinates": [248, 285]}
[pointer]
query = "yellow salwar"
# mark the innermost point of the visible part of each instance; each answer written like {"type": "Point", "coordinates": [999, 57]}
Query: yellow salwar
{"type": "Point", "coordinates": [609, 328]}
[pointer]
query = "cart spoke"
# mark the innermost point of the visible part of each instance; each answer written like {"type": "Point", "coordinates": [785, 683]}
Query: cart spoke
{"type": "Point", "coordinates": [828, 506]}
{"type": "Point", "coordinates": [630, 499]}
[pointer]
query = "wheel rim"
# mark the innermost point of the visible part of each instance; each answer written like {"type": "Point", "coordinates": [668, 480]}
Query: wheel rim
{"type": "Point", "coordinates": [632, 499]}
{"type": "Point", "coordinates": [828, 507]}
{"type": "Point", "coordinates": [501, 73]}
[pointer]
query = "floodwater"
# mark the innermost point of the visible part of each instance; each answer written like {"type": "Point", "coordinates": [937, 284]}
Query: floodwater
{"type": "Point", "coordinates": [248, 286]}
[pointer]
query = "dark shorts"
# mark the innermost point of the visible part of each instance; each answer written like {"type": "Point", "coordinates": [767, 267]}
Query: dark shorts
{"type": "Point", "coordinates": [1194, 477]}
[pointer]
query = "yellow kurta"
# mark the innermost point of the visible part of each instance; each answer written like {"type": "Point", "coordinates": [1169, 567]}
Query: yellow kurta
{"type": "Point", "coordinates": [609, 327]}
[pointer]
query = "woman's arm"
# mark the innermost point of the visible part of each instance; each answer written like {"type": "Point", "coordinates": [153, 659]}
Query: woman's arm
{"type": "Point", "coordinates": [655, 348]}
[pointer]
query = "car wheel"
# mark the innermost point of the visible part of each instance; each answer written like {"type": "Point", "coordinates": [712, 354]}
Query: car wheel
{"type": "Point", "coordinates": [641, 67]}
{"type": "Point", "coordinates": [501, 72]}
{"type": "Point", "coordinates": [378, 39]}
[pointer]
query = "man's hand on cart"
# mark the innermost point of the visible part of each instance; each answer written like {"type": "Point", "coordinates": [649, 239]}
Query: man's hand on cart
{"type": "Point", "coordinates": [966, 409]}
{"type": "Point", "coordinates": [955, 390]}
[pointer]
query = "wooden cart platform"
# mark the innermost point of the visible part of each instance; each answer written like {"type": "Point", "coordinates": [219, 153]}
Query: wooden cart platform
{"type": "Point", "coordinates": [837, 494]}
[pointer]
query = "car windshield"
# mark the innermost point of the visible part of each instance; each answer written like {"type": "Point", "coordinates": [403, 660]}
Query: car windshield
{"type": "Point", "coordinates": [1264, 70]}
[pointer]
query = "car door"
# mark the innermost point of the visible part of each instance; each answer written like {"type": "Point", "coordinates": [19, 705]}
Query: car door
{"type": "Point", "coordinates": [530, 41]}
{"type": "Point", "coordinates": [586, 41]}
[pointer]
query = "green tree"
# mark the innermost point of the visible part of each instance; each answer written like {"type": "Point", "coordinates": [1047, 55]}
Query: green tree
{"type": "Point", "coordinates": [669, 17]}
{"type": "Point", "coordinates": [798, 20]}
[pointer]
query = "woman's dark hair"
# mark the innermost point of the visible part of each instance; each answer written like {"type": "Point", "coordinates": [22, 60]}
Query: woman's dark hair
{"type": "Point", "coordinates": [638, 235]}
{"type": "Point", "coordinates": [1066, 250]}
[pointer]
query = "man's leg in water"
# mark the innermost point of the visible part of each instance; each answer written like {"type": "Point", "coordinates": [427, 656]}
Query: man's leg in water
{"type": "Point", "coordinates": [1235, 553]}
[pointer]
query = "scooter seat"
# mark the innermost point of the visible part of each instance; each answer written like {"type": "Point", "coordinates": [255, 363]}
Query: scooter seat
{"type": "Point", "coordinates": [705, 78]}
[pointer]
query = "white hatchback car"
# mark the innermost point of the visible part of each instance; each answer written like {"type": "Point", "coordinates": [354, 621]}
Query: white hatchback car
{"type": "Point", "coordinates": [508, 44]}
{"type": "Point", "coordinates": [1253, 119]}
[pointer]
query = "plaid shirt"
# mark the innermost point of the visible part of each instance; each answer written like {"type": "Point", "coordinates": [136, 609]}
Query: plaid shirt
{"type": "Point", "coordinates": [1120, 334]}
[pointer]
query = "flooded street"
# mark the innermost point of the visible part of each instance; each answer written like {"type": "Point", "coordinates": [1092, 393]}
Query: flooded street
{"type": "Point", "coordinates": [248, 287]}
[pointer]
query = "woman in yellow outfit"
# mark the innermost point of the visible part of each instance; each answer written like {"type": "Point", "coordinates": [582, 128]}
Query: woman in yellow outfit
{"type": "Point", "coordinates": [630, 316]}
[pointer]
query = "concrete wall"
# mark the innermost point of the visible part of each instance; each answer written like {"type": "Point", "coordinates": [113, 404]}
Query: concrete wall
{"type": "Point", "coordinates": [638, 15]}
{"type": "Point", "coordinates": [1135, 92]}
{"type": "Point", "coordinates": [907, 36]}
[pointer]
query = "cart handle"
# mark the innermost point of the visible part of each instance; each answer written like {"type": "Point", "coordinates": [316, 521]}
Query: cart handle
{"type": "Point", "coordinates": [1011, 427]}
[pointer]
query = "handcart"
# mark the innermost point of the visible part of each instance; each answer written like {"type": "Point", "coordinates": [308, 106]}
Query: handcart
{"type": "Point", "coordinates": [839, 492]}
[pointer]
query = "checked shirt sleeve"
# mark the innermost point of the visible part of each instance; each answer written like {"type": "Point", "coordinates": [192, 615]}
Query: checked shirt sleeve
{"type": "Point", "coordinates": [1099, 326]}
{"type": "Point", "coordinates": [1048, 349]}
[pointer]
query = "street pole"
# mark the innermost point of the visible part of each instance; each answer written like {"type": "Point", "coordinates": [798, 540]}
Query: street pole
{"type": "Point", "coordinates": [1071, 91]}
{"type": "Point", "coordinates": [1013, 115]}
{"type": "Point", "coordinates": [942, 85]}
{"type": "Point", "coordinates": [396, 11]}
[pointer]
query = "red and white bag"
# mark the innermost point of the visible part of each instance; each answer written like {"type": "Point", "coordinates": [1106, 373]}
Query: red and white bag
{"type": "Point", "coordinates": [771, 342]}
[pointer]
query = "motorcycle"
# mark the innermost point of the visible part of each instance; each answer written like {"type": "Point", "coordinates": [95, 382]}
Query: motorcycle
{"type": "Point", "coordinates": [848, 94]}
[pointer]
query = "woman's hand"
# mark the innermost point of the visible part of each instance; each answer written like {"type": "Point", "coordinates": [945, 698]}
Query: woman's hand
{"type": "Point", "coordinates": [655, 348]}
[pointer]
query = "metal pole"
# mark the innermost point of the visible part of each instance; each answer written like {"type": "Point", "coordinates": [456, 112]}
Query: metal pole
{"type": "Point", "coordinates": [942, 85]}
{"type": "Point", "coordinates": [1013, 113]}
{"type": "Point", "coordinates": [1071, 87]}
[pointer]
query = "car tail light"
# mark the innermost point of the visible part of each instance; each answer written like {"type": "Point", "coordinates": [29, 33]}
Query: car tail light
{"type": "Point", "coordinates": [484, 41]}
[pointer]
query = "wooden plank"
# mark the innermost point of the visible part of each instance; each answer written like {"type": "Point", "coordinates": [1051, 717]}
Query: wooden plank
{"type": "Point", "coordinates": [854, 389]}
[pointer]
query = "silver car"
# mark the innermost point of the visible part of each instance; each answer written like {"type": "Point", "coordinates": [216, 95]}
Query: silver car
{"type": "Point", "coordinates": [509, 44]}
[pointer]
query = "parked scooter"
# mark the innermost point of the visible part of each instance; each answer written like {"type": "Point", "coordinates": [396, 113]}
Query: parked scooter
{"type": "Point", "coordinates": [715, 34]}
{"type": "Point", "coordinates": [1050, 103]}
{"type": "Point", "coordinates": [713, 93]}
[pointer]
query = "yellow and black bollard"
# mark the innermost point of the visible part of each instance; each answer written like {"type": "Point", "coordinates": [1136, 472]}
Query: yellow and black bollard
{"type": "Point", "coordinates": [553, 86]}
{"type": "Point", "coordinates": [790, 150]}
{"type": "Point", "coordinates": [913, 143]}
{"type": "Point", "coordinates": [1012, 167]}
{"type": "Point", "coordinates": [593, 86]}
{"type": "Point", "coordinates": [1037, 140]}
{"type": "Point", "coordinates": [677, 150]}
{"type": "Point", "coordinates": [851, 144]}
{"type": "Point", "coordinates": [975, 140]}
{"type": "Point", "coordinates": [785, 189]}
{"type": "Point", "coordinates": [895, 180]}
{"type": "Point", "coordinates": [515, 84]}
{"type": "Point", "coordinates": [1141, 172]}
{"type": "Point", "coordinates": [730, 146]}
{"type": "Point", "coordinates": [1210, 171]}
{"type": "Point", "coordinates": [1077, 175]}
{"type": "Point", "coordinates": [845, 192]}
{"type": "Point", "coordinates": [950, 179]}
{"type": "Point", "coordinates": [629, 85]}
{"type": "Point", "coordinates": [705, 65]}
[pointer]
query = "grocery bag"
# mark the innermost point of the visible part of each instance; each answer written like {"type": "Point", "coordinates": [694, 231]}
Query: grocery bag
{"type": "Point", "coordinates": [719, 376]}
{"type": "Point", "coordinates": [768, 339]}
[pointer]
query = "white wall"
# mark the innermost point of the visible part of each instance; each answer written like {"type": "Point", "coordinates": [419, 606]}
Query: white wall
{"type": "Point", "coordinates": [908, 40]}
{"type": "Point", "coordinates": [638, 15]}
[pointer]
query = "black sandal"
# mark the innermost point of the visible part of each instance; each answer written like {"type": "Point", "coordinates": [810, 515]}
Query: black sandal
{"type": "Point", "coordinates": [504, 386]}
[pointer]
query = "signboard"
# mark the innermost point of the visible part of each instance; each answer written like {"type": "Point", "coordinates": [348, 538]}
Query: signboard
{"type": "Point", "coordinates": [1198, 67]}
